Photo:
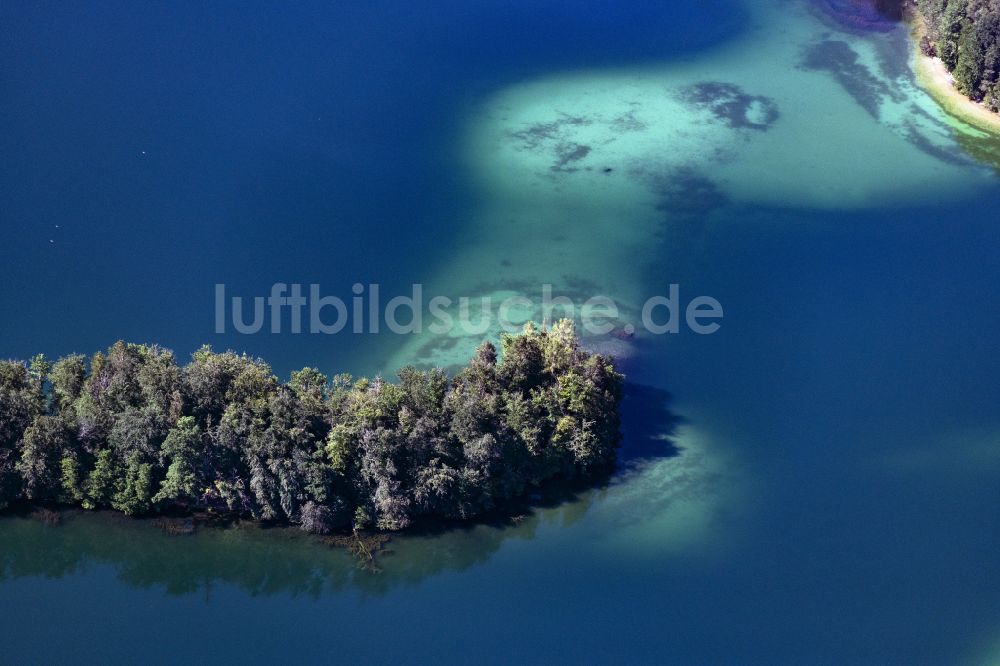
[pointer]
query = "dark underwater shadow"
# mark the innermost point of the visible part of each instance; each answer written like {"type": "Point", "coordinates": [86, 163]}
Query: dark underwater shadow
{"type": "Point", "coordinates": [279, 560]}
{"type": "Point", "coordinates": [648, 426]}
{"type": "Point", "coordinates": [860, 15]}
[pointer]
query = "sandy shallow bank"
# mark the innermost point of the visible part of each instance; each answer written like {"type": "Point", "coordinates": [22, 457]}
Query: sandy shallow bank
{"type": "Point", "coordinates": [935, 78]}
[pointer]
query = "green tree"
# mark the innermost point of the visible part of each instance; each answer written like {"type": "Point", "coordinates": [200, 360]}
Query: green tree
{"type": "Point", "coordinates": [134, 488]}
{"type": "Point", "coordinates": [101, 483]}
{"type": "Point", "coordinates": [949, 31]}
{"type": "Point", "coordinates": [181, 450]}
{"type": "Point", "coordinates": [19, 405]}
{"type": "Point", "coordinates": [969, 64]}
{"type": "Point", "coordinates": [46, 441]}
{"type": "Point", "coordinates": [67, 378]}
{"type": "Point", "coordinates": [71, 480]}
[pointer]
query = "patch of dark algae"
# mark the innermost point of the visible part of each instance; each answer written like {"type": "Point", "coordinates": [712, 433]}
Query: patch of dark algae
{"type": "Point", "coordinates": [731, 105]}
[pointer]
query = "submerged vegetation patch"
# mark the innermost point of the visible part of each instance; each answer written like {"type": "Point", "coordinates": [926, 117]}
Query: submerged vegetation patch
{"type": "Point", "coordinates": [982, 147]}
{"type": "Point", "coordinates": [682, 191]}
{"type": "Point", "coordinates": [687, 191]}
{"type": "Point", "coordinates": [534, 136]}
{"type": "Point", "coordinates": [842, 62]}
{"type": "Point", "coordinates": [567, 154]}
{"type": "Point", "coordinates": [555, 136]}
{"type": "Point", "coordinates": [951, 155]}
{"type": "Point", "coordinates": [914, 124]}
{"type": "Point", "coordinates": [628, 121]}
{"type": "Point", "coordinates": [731, 105]}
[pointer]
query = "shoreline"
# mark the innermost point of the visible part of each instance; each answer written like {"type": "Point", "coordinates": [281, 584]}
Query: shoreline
{"type": "Point", "coordinates": [365, 545]}
{"type": "Point", "coordinates": [937, 81]}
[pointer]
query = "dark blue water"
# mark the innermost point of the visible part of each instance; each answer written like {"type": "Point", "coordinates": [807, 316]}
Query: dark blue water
{"type": "Point", "coordinates": [181, 146]}
{"type": "Point", "coordinates": [851, 394]}
{"type": "Point", "coordinates": [857, 369]}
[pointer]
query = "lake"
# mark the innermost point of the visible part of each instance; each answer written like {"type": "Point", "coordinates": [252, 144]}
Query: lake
{"type": "Point", "coordinates": [816, 482]}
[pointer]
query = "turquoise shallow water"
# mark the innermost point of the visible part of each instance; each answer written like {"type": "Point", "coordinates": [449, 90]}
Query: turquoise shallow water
{"type": "Point", "coordinates": [830, 488]}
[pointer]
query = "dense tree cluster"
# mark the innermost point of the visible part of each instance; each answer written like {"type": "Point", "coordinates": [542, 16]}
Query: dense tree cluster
{"type": "Point", "coordinates": [965, 34]}
{"type": "Point", "coordinates": [134, 431]}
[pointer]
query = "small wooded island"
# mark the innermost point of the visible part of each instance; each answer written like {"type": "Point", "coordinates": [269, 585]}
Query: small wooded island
{"type": "Point", "coordinates": [135, 432]}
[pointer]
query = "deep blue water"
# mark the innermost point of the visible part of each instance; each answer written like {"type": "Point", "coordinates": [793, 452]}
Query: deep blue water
{"type": "Point", "coordinates": [181, 146]}
{"type": "Point", "coordinates": [852, 391]}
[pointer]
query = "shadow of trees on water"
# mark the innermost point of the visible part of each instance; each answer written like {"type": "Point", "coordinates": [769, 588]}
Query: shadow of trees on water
{"type": "Point", "coordinates": [263, 560]}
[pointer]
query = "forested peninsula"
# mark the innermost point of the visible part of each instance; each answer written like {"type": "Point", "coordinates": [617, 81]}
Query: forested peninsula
{"type": "Point", "coordinates": [965, 35]}
{"type": "Point", "coordinates": [132, 430]}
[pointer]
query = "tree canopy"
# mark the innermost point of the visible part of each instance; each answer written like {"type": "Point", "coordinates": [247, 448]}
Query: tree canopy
{"type": "Point", "coordinates": [965, 34]}
{"type": "Point", "coordinates": [134, 431]}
